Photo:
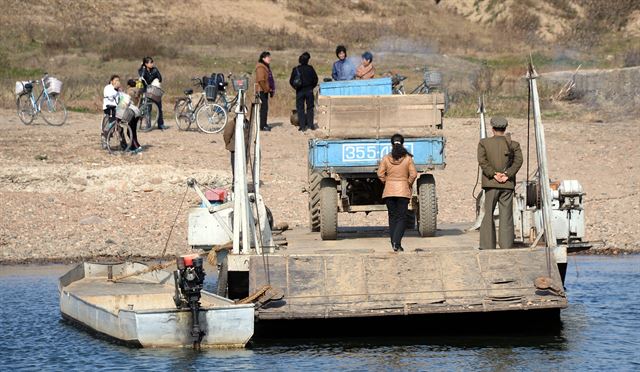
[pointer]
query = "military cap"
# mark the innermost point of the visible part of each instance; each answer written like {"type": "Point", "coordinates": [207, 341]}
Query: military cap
{"type": "Point", "coordinates": [499, 122]}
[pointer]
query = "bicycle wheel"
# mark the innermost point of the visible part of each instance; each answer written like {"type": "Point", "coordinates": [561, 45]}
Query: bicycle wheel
{"type": "Point", "coordinates": [119, 138]}
{"type": "Point", "coordinates": [53, 110]}
{"type": "Point", "coordinates": [211, 118]}
{"type": "Point", "coordinates": [26, 113]}
{"type": "Point", "coordinates": [182, 113]}
{"type": "Point", "coordinates": [149, 116]}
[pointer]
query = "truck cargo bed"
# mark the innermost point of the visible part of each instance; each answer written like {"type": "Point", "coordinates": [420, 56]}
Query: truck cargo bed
{"type": "Point", "coordinates": [415, 115]}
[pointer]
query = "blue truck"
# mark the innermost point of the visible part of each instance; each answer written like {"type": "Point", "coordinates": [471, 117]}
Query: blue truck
{"type": "Point", "coordinates": [354, 134]}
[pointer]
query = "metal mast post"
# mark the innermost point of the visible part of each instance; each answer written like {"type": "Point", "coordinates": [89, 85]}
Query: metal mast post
{"type": "Point", "coordinates": [483, 135]}
{"type": "Point", "coordinates": [242, 221]}
{"type": "Point", "coordinates": [543, 171]}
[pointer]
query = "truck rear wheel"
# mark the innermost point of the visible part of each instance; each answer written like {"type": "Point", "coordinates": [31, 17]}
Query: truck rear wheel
{"type": "Point", "coordinates": [328, 209]}
{"type": "Point", "coordinates": [427, 206]}
{"type": "Point", "coordinates": [314, 201]}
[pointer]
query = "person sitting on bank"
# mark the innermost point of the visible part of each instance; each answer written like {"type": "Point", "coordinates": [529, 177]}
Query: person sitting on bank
{"type": "Point", "coordinates": [366, 69]}
{"type": "Point", "coordinates": [397, 172]}
{"type": "Point", "coordinates": [304, 79]}
{"type": "Point", "coordinates": [500, 159]}
{"type": "Point", "coordinates": [343, 69]}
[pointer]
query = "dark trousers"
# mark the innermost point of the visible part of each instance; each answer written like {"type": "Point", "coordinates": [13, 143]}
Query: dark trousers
{"type": "Point", "coordinates": [305, 117]}
{"type": "Point", "coordinates": [160, 117]}
{"type": "Point", "coordinates": [397, 208]}
{"type": "Point", "coordinates": [133, 124]}
{"type": "Point", "coordinates": [504, 199]}
{"type": "Point", "coordinates": [264, 109]}
{"type": "Point", "coordinates": [110, 111]}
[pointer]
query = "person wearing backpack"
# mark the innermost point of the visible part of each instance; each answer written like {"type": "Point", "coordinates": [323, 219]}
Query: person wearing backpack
{"type": "Point", "coordinates": [304, 79]}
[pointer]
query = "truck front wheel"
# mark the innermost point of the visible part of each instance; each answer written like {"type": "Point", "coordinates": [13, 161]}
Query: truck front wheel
{"type": "Point", "coordinates": [427, 206]}
{"type": "Point", "coordinates": [328, 209]}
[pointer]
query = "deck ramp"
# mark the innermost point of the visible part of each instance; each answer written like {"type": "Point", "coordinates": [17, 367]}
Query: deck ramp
{"type": "Point", "coordinates": [438, 281]}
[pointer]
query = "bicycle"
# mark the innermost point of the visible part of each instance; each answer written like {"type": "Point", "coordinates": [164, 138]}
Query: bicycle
{"type": "Point", "coordinates": [210, 117]}
{"type": "Point", "coordinates": [48, 103]}
{"type": "Point", "coordinates": [149, 112]}
{"type": "Point", "coordinates": [397, 85]}
{"type": "Point", "coordinates": [119, 134]}
{"type": "Point", "coordinates": [223, 98]}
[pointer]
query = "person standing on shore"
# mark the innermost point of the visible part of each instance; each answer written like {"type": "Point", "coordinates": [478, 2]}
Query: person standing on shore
{"type": "Point", "coordinates": [134, 93]}
{"type": "Point", "coordinates": [366, 69]}
{"type": "Point", "coordinates": [304, 79]}
{"type": "Point", "coordinates": [500, 159]}
{"type": "Point", "coordinates": [110, 95]}
{"type": "Point", "coordinates": [397, 172]}
{"type": "Point", "coordinates": [342, 69]}
{"type": "Point", "coordinates": [266, 87]}
{"type": "Point", "coordinates": [149, 72]}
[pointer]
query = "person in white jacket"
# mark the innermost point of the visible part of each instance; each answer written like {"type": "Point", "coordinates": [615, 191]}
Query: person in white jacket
{"type": "Point", "coordinates": [110, 95]}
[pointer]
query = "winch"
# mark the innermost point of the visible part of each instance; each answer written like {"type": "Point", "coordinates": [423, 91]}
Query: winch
{"type": "Point", "coordinates": [189, 279]}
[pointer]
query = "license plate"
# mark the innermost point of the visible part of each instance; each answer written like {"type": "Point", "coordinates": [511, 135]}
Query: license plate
{"type": "Point", "coordinates": [367, 152]}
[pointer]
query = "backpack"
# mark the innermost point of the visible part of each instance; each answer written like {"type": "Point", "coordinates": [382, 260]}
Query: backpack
{"type": "Point", "coordinates": [297, 79]}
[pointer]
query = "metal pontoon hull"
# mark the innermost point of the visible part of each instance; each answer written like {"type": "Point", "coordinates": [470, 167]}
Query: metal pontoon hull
{"type": "Point", "coordinates": [136, 310]}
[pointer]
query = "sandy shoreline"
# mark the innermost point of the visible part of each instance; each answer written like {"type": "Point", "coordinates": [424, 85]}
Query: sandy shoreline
{"type": "Point", "coordinates": [82, 203]}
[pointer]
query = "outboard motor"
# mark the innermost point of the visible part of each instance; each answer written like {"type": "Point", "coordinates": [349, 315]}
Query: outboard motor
{"type": "Point", "coordinates": [189, 279]}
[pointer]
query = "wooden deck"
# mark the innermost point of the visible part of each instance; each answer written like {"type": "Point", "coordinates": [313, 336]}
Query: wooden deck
{"type": "Point", "coordinates": [359, 275]}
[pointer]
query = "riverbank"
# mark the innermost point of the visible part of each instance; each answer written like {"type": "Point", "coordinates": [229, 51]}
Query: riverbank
{"type": "Point", "coordinates": [64, 199]}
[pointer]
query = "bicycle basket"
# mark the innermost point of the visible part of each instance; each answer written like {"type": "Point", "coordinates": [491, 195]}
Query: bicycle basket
{"type": "Point", "coordinates": [53, 85]}
{"type": "Point", "coordinates": [23, 87]}
{"type": "Point", "coordinates": [128, 115]}
{"type": "Point", "coordinates": [211, 92]}
{"type": "Point", "coordinates": [136, 110]}
{"type": "Point", "coordinates": [432, 79]}
{"type": "Point", "coordinates": [240, 83]}
{"type": "Point", "coordinates": [154, 93]}
{"type": "Point", "coordinates": [120, 112]}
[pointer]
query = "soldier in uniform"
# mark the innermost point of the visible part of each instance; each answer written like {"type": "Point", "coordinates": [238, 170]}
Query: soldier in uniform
{"type": "Point", "coordinates": [500, 159]}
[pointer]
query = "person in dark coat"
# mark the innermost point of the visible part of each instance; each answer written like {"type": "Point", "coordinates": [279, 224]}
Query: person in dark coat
{"type": "Point", "coordinates": [500, 159]}
{"type": "Point", "coordinates": [306, 76]}
{"type": "Point", "coordinates": [149, 72]}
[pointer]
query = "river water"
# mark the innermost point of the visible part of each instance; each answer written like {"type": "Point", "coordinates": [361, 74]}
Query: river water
{"type": "Point", "coordinates": [600, 331]}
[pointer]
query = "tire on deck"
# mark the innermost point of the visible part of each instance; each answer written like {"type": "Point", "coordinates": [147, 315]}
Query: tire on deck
{"type": "Point", "coordinates": [328, 209]}
{"type": "Point", "coordinates": [427, 206]}
{"type": "Point", "coordinates": [314, 201]}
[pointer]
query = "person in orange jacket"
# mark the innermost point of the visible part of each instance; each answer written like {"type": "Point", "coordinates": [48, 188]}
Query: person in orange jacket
{"type": "Point", "coordinates": [397, 172]}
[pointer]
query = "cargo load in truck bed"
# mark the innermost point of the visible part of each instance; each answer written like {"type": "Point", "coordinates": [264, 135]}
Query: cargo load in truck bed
{"type": "Point", "coordinates": [414, 115]}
